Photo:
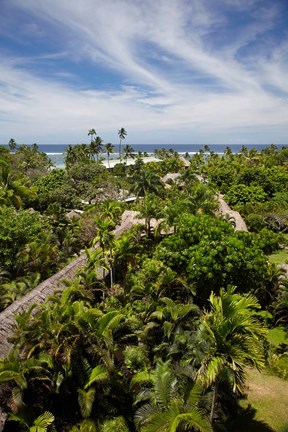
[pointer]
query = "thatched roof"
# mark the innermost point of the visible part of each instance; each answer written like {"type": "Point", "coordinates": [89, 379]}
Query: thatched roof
{"type": "Point", "coordinates": [224, 209]}
{"type": "Point", "coordinates": [185, 161]}
{"type": "Point", "coordinates": [170, 176]}
{"type": "Point", "coordinates": [73, 213]}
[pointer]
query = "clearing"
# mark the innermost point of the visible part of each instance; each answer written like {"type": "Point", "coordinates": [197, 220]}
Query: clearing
{"type": "Point", "coordinates": [266, 407]}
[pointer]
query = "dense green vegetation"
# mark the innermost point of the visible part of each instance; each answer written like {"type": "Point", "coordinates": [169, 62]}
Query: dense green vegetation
{"type": "Point", "coordinates": [162, 341]}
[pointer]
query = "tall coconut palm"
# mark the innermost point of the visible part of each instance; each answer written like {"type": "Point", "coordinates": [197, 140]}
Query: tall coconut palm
{"type": "Point", "coordinates": [235, 336]}
{"type": "Point", "coordinates": [92, 133]}
{"type": "Point", "coordinates": [227, 153]}
{"type": "Point", "coordinates": [77, 153]}
{"type": "Point", "coordinates": [244, 150]}
{"type": "Point", "coordinates": [109, 147]}
{"type": "Point", "coordinates": [206, 148]}
{"type": "Point", "coordinates": [122, 135]}
{"type": "Point", "coordinates": [128, 152]}
{"type": "Point", "coordinates": [12, 144]}
{"type": "Point", "coordinates": [96, 147]}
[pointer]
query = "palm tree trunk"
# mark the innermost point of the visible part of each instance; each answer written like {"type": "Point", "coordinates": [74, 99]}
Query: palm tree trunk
{"type": "Point", "coordinates": [111, 269]}
{"type": "Point", "coordinates": [111, 277]}
{"type": "Point", "coordinates": [214, 399]}
{"type": "Point", "coordinates": [148, 227]}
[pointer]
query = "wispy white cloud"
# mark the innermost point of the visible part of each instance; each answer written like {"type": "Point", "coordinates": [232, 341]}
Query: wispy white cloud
{"type": "Point", "coordinates": [173, 76]}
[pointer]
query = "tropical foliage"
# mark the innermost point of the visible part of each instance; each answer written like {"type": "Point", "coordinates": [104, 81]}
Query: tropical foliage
{"type": "Point", "coordinates": [156, 330]}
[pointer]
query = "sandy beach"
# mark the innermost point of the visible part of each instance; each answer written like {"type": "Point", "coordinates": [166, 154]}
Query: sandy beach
{"type": "Point", "coordinates": [130, 161]}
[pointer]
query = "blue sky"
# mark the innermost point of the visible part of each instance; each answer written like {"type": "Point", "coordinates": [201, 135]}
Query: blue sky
{"type": "Point", "coordinates": [168, 71]}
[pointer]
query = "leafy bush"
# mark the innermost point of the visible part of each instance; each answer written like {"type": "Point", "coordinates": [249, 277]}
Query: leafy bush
{"type": "Point", "coordinates": [135, 358]}
{"type": "Point", "coordinates": [242, 194]}
{"type": "Point", "coordinates": [17, 229]}
{"type": "Point", "coordinates": [254, 222]}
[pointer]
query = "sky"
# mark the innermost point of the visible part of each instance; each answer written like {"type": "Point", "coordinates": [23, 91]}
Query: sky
{"type": "Point", "coordinates": [168, 71]}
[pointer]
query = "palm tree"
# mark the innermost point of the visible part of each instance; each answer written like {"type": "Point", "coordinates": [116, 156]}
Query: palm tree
{"type": "Point", "coordinates": [244, 150]}
{"type": "Point", "coordinates": [235, 336]}
{"type": "Point", "coordinates": [122, 135]}
{"type": "Point", "coordinates": [40, 424]}
{"type": "Point", "coordinates": [12, 144]}
{"type": "Point", "coordinates": [105, 238]}
{"type": "Point", "coordinates": [227, 152]}
{"type": "Point", "coordinates": [173, 316]}
{"type": "Point", "coordinates": [70, 156]}
{"type": "Point", "coordinates": [200, 200]}
{"type": "Point", "coordinates": [106, 325]}
{"type": "Point", "coordinates": [111, 210]}
{"type": "Point", "coordinates": [109, 147]}
{"type": "Point", "coordinates": [12, 189]}
{"type": "Point", "coordinates": [206, 148]}
{"type": "Point", "coordinates": [96, 147]}
{"type": "Point", "coordinates": [150, 209]}
{"type": "Point", "coordinates": [92, 133]}
{"type": "Point", "coordinates": [146, 181]}
{"type": "Point", "coordinates": [171, 405]}
{"type": "Point", "coordinates": [18, 372]}
{"type": "Point", "coordinates": [77, 153]}
{"type": "Point", "coordinates": [40, 255]}
{"type": "Point", "coordinates": [14, 290]}
{"type": "Point", "coordinates": [128, 152]}
{"type": "Point", "coordinates": [125, 251]}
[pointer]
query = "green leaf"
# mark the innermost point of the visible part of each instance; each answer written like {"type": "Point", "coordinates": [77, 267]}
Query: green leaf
{"type": "Point", "coordinates": [86, 399]}
{"type": "Point", "coordinates": [99, 373]}
{"type": "Point", "coordinates": [42, 422]}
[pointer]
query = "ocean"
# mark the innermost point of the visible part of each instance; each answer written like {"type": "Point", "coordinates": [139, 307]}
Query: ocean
{"type": "Point", "coordinates": [56, 151]}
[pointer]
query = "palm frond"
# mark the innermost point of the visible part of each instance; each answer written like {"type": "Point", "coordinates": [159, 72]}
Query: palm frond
{"type": "Point", "coordinates": [162, 421]}
{"type": "Point", "coordinates": [213, 370]}
{"type": "Point", "coordinates": [144, 414]}
{"type": "Point", "coordinates": [99, 373]}
{"type": "Point", "coordinates": [192, 420]}
{"type": "Point", "coordinates": [143, 376]}
{"type": "Point", "coordinates": [109, 321]}
{"type": "Point", "coordinates": [163, 383]}
{"type": "Point", "coordinates": [194, 396]}
{"type": "Point", "coordinates": [42, 422]}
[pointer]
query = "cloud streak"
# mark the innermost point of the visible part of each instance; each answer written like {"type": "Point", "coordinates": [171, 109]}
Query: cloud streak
{"type": "Point", "coordinates": [207, 71]}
